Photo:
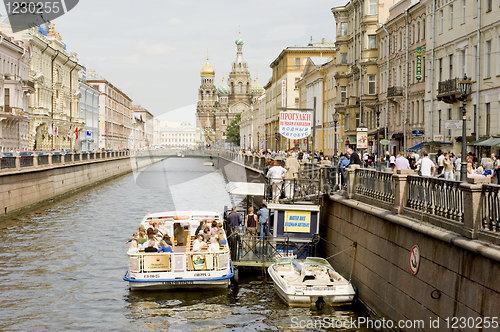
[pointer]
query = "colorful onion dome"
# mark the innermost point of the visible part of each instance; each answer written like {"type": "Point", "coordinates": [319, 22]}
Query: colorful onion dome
{"type": "Point", "coordinates": [223, 88]}
{"type": "Point", "coordinates": [239, 41]}
{"type": "Point", "coordinates": [207, 70]}
{"type": "Point", "coordinates": [257, 89]}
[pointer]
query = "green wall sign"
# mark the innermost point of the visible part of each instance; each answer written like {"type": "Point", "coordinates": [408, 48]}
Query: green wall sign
{"type": "Point", "coordinates": [418, 71]}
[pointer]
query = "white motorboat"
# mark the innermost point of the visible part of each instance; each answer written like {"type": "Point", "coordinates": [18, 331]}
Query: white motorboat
{"type": "Point", "coordinates": [310, 282]}
{"type": "Point", "coordinates": [208, 163]}
{"type": "Point", "coordinates": [182, 268]}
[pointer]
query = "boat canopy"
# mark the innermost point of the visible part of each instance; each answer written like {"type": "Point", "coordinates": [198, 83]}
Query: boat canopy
{"type": "Point", "coordinates": [245, 188]}
{"type": "Point", "coordinates": [317, 261]}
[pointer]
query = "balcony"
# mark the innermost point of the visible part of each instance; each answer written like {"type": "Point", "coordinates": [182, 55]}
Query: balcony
{"type": "Point", "coordinates": [449, 91]}
{"type": "Point", "coordinates": [395, 92]}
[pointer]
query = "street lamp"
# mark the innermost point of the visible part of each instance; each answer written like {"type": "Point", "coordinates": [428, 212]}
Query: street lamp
{"type": "Point", "coordinates": [465, 87]}
{"type": "Point", "coordinates": [377, 111]}
{"type": "Point", "coordinates": [336, 117]}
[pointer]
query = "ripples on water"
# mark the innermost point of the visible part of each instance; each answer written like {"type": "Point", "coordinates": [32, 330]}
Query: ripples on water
{"type": "Point", "coordinates": [61, 267]}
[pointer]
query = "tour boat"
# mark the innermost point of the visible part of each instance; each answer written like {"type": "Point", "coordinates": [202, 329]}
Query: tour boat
{"type": "Point", "coordinates": [312, 281]}
{"type": "Point", "coordinates": [183, 268]}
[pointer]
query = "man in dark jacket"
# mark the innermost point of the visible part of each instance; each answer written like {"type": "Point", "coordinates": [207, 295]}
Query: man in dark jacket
{"type": "Point", "coordinates": [234, 218]}
{"type": "Point", "coordinates": [354, 157]}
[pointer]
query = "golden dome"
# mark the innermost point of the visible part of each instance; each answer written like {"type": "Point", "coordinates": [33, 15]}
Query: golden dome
{"type": "Point", "coordinates": [207, 70]}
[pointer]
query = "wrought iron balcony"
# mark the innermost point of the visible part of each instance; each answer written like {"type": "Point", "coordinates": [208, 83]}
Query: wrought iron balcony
{"type": "Point", "coordinates": [449, 91]}
{"type": "Point", "coordinates": [395, 91]}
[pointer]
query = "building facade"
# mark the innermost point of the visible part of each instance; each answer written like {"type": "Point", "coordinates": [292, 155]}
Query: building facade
{"type": "Point", "coordinates": [15, 90]}
{"type": "Point", "coordinates": [88, 135]}
{"type": "Point", "coordinates": [180, 138]}
{"type": "Point", "coordinates": [115, 115]}
{"type": "Point", "coordinates": [143, 128]}
{"type": "Point", "coordinates": [282, 90]}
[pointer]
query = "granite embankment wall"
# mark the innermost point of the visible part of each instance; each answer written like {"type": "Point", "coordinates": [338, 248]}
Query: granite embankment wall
{"type": "Point", "coordinates": [26, 188]}
{"type": "Point", "coordinates": [457, 279]}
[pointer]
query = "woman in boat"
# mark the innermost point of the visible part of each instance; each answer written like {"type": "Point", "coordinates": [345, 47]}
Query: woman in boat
{"type": "Point", "coordinates": [199, 243]}
{"type": "Point", "coordinates": [134, 245]}
{"type": "Point", "coordinates": [152, 247]}
{"type": "Point", "coordinates": [214, 244]}
{"type": "Point", "coordinates": [213, 229]}
{"type": "Point", "coordinates": [164, 247]}
{"type": "Point", "coordinates": [251, 221]}
{"type": "Point", "coordinates": [222, 237]}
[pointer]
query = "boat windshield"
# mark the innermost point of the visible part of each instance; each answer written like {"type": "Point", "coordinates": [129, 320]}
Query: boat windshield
{"type": "Point", "coordinates": [284, 261]}
{"type": "Point", "coordinates": [317, 261]}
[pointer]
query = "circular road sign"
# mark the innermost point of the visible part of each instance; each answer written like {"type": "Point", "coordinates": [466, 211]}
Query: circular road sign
{"type": "Point", "coordinates": [414, 259]}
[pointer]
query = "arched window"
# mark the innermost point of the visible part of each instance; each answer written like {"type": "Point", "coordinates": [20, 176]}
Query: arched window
{"type": "Point", "coordinates": [208, 95]}
{"type": "Point", "coordinates": [248, 87]}
{"type": "Point", "coordinates": [240, 87]}
{"type": "Point", "coordinates": [232, 87]}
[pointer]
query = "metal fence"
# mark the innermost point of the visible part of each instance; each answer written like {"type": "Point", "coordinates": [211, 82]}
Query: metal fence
{"type": "Point", "coordinates": [491, 208]}
{"type": "Point", "coordinates": [377, 185]}
{"type": "Point", "coordinates": [56, 159]}
{"type": "Point", "coordinates": [26, 161]}
{"type": "Point", "coordinates": [85, 156]}
{"type": "Point", "coordinates": [8, 162]}
{"type": "Point", "coordinates": [43, 159]}
{"type": "Point", "coordinates": [436, 196]}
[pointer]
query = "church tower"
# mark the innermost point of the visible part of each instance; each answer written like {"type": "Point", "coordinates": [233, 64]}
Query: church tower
{"type": "Point", "coordinates": [207, 101]}
{"type": "Point", "coordinates": [239, 82]}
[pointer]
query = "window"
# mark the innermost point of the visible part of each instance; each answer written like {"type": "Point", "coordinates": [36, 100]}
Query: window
{"type": "Point", "coordinates": [488, 118]}
{"type": "Point", "coordinates": [297, 103]}
{"type": "Point", "coordinates": [487, 60]}
{"type": "Point", "coordinates": [440, 73]}
{"type": "Point", "coordinates": [372, 41]}
{"type": "Point", "coordinates": [240, 87]}
{"type": "Point", "coordinates": [451, 67]}
{"type": "Point", "coordinates": [223, 122]}
{"type": "Point", "coordinates": [418, 113]}
{"type": "Point", "coordinates": [418, 31]}
{"type": "Point", "coordinates": [358, 120]}
{"type": "Point", "coordinates": [297, 79]}
{"type": "Point", "coordinates": [371, 84]}
{"type": "Point", "coordinates": [343, 58]}
{"type": "Point", "coordinates": [449, 118]}
{"type": "Point", "coordinates": [400, 40]}
{"type": "Point", "coordinates": [439, 122]}
{"type": "Point", "coordinates": [373, 7]}
{"type": "Point", "coordinates": [463, 11]}
{"type": "Point", "coordinates": [441, 20]}
{"type": "Point", "coordinates": [489, 5]}
{"type": "Point", "coordinates": [462, 63]}
{"type": "Point", "coordinates": [232, 87]}
{"type": "Point", "coordinates": [423, 28]}
{"type": "Point", "coordinates": [451, 16]}
{"type": "Point", "coordinates": [343, 94]}
{"type": "Point", "coordinates": [343, 29]}
{"type": "Point", "coordinates": [7, 98]}
{"type": "Point", "coordinates": [297, 63]}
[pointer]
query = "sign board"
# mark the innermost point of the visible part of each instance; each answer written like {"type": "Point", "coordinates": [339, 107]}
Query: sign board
{"type": "Point", "coordinates": [297, 221]}
{"type": "Point", "coordinates": [414, 260]}
{"type": "Point", "coordinates": [361, 137]}
{"type": "Point", "coordinates": [295, 125]}
{"type": "Point", "coordinates": [283, 93]}
{"type": "Point", "coordinates": [439, 138]}
{"type": "Point", "coordinates": [418, 69]}
{"type": "Point", "coordinates": [156, 263]}
{"type": "Point", "coordinates": [262, 144]}
{"type": "Point", "coordinates": [417, 132]}
{"type": "Point", "coordinates": [352, 140]}
{"type": "Point", "coordinates": [453, 124]}
{"type": "Point", "coordinates": [280, 253]}
{"type": "Point", "coordinates": [89, 133]}
{"type": "Point", "coordinates": [384, 142]}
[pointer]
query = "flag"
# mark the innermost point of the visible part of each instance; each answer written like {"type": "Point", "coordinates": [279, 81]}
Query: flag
{"type": "Point", "coordinates": [69, 132]}
{"type": "Point", "coordinates": [50, 130]}
{"type": "Point", "coordinates": [56, 131]}
{"type": "Point", "coordinates": [76, 132]}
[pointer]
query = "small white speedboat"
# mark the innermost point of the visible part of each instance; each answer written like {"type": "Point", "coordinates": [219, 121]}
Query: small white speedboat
{"type": "Point", "coordinates": [310, 282]}
{"type": "Point", "coordinates": [208, 163]}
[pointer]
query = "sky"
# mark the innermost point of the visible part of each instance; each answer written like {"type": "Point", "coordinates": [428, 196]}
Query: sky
{"type": "Point", "coordinates": [153, 50]}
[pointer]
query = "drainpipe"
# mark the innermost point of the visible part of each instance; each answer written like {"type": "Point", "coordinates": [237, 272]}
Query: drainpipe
{"type": "Point", "coordinates": [388, 54]}
{"type": "Point", "coordinates": [52, 98]}
{"type": "Point", "coordinates": [354, 41]}
{"type": "Point", "coordinates": [360, 89]}
{"type": "Point", "coordinates": [478, 68]}
{"type": "Point", "coordinates": [70, 97]}
{"type": "Point", "coordinates": [405, 123]}
{"type": "Point", "coordinates": [431, 106]}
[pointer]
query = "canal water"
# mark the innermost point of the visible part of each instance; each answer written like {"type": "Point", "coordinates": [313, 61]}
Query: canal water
{"type": "Point", "coordinates": [61, 266]}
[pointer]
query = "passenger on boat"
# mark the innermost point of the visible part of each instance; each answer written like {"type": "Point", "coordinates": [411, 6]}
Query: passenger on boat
{"type": "Point", "coordinates": [202, 225]}
{"type": "Point", "coordinates": [234, 218]}
{"type": "Point", "coordinates": [206, 234]}
{"type": "Point", "coordinates": [142, 237]}
{"type": "Point", "coordinates": [156, 228]}
{"type": "Point", "coordinates": [179, 234]}
{"type": "Point", "coordinates": [222, 237]}
{"type": "Point", "coordinates": [213, 229]}
{"type": "Point", "coordinates": [199, 243]}
{"type": "Point", "coordinates": [251, 222]}
{"type": "Point", "coordinates": [214, 244]}
{"type": "Point", "coordinates": [167, 240]}
{"type": "Point", "coordinates": [152, 247]}
{"type": "Point", "coordinates": [164, 247]}
{"type": "Point", "coordinates": [134, 245]}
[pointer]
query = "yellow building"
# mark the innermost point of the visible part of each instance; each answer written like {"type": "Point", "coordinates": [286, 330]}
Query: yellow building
{"type": "Point", "coordinates": [282, 90]}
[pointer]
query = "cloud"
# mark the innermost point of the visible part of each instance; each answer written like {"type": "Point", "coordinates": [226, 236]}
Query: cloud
{"type": "Point", "coordinates": [175, 21]}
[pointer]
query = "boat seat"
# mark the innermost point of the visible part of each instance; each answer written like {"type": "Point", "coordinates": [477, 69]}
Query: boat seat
{"type": "Point", "coordinates": [284, 268]}
{"type": "Point", "coordinates": [290, 277]}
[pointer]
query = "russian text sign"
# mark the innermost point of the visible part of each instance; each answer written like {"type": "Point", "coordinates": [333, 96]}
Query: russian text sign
{"type": "Point", "coordinates": [295, 125]}
{"type": "Point", "coordinates": [297, 221]}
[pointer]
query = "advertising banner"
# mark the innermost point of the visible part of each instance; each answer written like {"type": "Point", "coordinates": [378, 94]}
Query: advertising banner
{"type": "Point", "coordinates": [418, 69]}
{"type": "Point", "coordinates": [297, 221]}
{"type": "Point", "coordinates": [295, 125]}
{"type": "Point", "coordinates": [156, 263]}
{"type": "Point", "coordinates": [361, 140]}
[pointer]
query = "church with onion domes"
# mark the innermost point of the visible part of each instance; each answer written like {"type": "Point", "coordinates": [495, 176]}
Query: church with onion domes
{"type": "Point", "coordinates": [218, 106]}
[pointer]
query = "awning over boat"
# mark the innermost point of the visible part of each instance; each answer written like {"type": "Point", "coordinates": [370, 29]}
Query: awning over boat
{"type": "Point", "coordinates": [245, 188]}
{"type": "Point", "coordinates": [422, 144]}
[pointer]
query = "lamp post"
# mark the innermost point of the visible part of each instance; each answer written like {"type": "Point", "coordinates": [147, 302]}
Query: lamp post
{"type": "Point", "coordinates": [465, 87]}
{"type": "Point", "coordinates": [377, 111]}
{"type": "Point", "coordinates": [335, 120]}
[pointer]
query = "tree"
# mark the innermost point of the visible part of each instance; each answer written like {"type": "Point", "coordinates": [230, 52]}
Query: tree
{"type": "Point", "coordinates": [233, 130]}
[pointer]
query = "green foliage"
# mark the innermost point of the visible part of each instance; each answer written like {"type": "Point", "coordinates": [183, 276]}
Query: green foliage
{"type": "Point", "coordinates": [233, 131]}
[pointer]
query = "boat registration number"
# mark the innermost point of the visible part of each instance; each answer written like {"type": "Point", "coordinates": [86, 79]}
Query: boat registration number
{"type": "Point", "coordinates": [177, 282]}
{"type": "Point", "coordinates": [320, 289]}
{"type": "Point", "coordinates": [151, 276]}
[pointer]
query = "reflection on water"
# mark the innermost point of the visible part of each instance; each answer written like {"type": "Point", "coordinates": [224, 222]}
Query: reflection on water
{"type": "Point", "coordinates": [61, 267]}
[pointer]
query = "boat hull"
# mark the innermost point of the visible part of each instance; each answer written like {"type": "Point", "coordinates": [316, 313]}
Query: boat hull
{"type": "Point", "coordinates": [179, 284]}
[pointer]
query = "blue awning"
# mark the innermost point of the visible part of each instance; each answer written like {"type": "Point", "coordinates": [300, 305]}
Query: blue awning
{"type": "Point", "coordinates": [421, 145]}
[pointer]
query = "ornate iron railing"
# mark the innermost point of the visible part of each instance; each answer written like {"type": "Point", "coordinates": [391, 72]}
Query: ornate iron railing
{"type": "Point", "coordinates": [43, 160]}
{"type": "Point", "coordinates": [26, 161]}
{"type": "Point", "coordinates": [448, 86]}
{"type": "Point", "coordinates": [491, 208]}
{"type": "Point", "coordinates": [435, 196]}
{"type": "Point", "coordinates": [373, 184]}
{"type": "Point", "coordinates": [8, 162]}
{"type": "Point", "coordinates": [56, 159]}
